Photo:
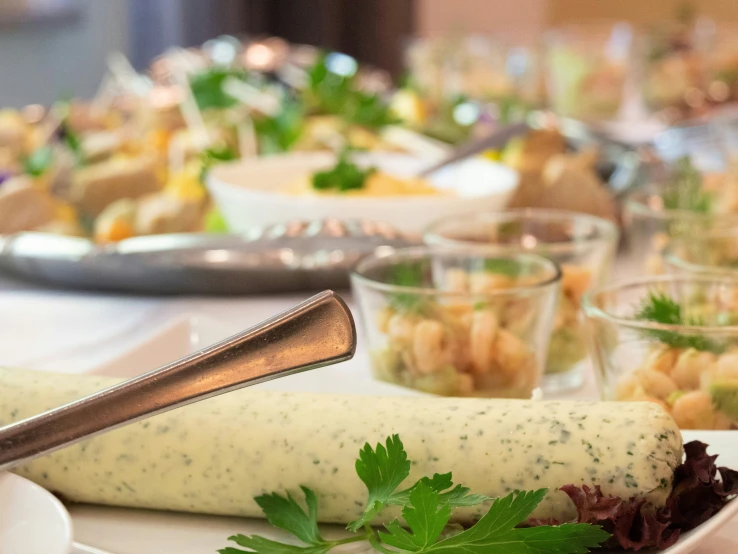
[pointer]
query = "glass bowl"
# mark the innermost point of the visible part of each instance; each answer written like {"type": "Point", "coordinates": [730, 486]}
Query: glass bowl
{"type": "Point", "coordinates": [711, 252]}
{"type": "Point", "coordinates": [583, 246]}
{"type": "Point", "coordinates": [689, 366]}
{"type": "Point", "coordinates": [587, 68]}
{"type": "Point", "coordinates": [457, 324]}
{"type": "Point", "coordinates": [649, 227]}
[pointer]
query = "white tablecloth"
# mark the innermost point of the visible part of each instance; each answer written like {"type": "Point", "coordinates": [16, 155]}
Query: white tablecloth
{"type": "Point", "coordinates": [52, 329]}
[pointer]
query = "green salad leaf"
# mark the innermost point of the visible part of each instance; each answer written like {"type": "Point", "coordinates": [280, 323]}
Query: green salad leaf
{"type": "Point", "coordinates": [207, 87]}
{"type": "Point", "coordinates": [280, 132]}
{"type": "Point", "coordinates": [214, 155]}
{"type": "Point", "coordinates": [331, 93]}
{"type": "Point", "coordinates": [38, 162]}
{"type": "Point", "coordinates": [659, 307]}
{"type": "Point", "coordinates": [426, 511]}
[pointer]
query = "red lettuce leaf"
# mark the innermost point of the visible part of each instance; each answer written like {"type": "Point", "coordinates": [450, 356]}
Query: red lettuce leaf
{"type": "Point", "coordinates": [700, 490]}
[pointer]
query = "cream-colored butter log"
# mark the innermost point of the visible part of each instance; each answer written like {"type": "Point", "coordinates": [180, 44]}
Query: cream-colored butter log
{"type": "Point", "coordinates": [215, 456]}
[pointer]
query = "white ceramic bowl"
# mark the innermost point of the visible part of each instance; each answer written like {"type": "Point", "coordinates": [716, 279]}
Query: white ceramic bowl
{"type": "Point", "coordinates": [247, 192]}
{"type": "Point", "coordinates": [32, 520]}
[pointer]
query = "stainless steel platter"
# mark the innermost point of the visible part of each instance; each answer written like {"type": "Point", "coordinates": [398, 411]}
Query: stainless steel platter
{"type": "Point", "coordinates": [291, 257]}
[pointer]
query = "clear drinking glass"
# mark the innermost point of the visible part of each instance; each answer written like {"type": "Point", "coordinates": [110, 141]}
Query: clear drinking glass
{"type": "Point", "coordinates": [457, 324]}
{"type": "Point", "coordinates": [587, 69]}
{"type": "Point", "coordinates": [584, 246]}
{"type": "Point", "coordinates": [689, 367]}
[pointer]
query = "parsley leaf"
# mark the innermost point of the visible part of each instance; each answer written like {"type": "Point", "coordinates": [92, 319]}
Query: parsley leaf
{"type": "Point", "coordinates": [382, 470]}
{"type": "Point", "coordinates": [39, 161]}
{"type": "Point", "coordinates": [333, 94]}
{"type": "Point", "coordinates": [344, 176]}
{"type": "Point", "coordinates": [266, 546]}
{"type": "Point", "coordinates": [659, 307]}
{"type": "Point", "coordinates": [207, 87]}
{"type": "Point", "coordinates": [280, 132]}
{"type": "Point", "coordinates": [427, 510]}
{"type": "Point", "coordinates": [285, 513]}
{"type": "Point", "coordinates": [211, 156]}
{"type": "Point", "coordinates": [457, 497]}
{"type": "Point", "coordinates": [497, 531]}
{"type": "Point", "coordinates": [426, 515]}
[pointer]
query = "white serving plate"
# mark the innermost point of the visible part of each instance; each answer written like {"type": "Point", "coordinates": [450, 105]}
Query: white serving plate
{"type": "Point", "coordinates": [174, 328]}
{"type": "Point", "coordinates": [246, 192]}
{"type": "Point", "coordinates": [32, 520]}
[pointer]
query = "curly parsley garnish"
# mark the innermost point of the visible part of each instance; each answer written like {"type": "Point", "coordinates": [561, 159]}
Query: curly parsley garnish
{"type": "Point", "coordinates": [427, 508]}
{"type": "Point", "coordinates": [659, 307]}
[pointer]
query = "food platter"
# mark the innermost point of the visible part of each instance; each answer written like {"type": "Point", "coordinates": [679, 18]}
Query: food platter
{"type": "Point", "coordinates": [290, 257]}
{"type": "Point", "coordinates": [126, 531]}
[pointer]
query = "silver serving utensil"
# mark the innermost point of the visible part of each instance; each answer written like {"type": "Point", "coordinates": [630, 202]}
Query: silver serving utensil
{"type": "Point", "coordinates": [497, 139]}
{"type": "Point", "coordinates": [316, 333]}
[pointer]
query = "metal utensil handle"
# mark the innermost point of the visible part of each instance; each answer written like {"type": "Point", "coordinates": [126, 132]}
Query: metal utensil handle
{"type": "Point", "coordinates": [316, 333]}
{"type": "Point", "coordinates": [496, 140]}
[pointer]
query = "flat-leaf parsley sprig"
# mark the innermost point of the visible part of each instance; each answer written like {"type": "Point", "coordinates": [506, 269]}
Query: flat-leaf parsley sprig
{"type": "Point", "coordinates": [427, 508]}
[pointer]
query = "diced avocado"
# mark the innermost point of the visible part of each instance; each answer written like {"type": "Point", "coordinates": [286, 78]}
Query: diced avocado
{"type": "Point", "coordinates": [566, 349]}
{"type": "Point", "coordinates": [674, 396]}
{"type": "Point", "coordinates": [725, 397]}
{"type": "Point", "coordinates": [446, 382]}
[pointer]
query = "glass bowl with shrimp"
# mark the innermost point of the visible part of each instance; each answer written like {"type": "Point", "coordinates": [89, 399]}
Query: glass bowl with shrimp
{"type": "Point", "coordinates": [582, 245]}
{"type": "Point", "coordinates": [672, 340]}
{"type": "Point", "coordinates": [456, 323]}
{"type": "Point", "coordinates": [686, 203]}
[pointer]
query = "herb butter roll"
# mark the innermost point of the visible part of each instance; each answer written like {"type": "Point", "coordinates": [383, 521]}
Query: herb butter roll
{"type": "Point", "coordinates": [215, 456]}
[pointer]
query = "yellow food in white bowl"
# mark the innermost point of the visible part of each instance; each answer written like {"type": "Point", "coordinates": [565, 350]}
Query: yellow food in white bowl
{"type": "Point", "coordinates": [264, 191]}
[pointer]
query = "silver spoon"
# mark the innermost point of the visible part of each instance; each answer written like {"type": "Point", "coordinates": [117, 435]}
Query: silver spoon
{"type": "Point", "coordinates": [316, 333]}
{"type": "Point", "coordinates": [498, 139]}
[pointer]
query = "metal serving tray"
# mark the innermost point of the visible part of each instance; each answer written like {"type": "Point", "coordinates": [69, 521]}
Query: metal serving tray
{"type": "Point", "coordinates": [291, 257]}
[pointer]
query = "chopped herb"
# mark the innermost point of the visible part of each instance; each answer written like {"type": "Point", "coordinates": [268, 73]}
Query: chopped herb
{"type": "Point", "coordinates": [39, 161]}
{"type": "Point", "coordinates": [280, 132]}
{"type": "Point", "coordinates": [344, 176]}
{"type": "Point", "coordinates": [214, 155]}
{"type": "Point", "coordinates": [685, 191]}
{"type": "Point", "coordinates": [408, 274]}
{"type": "Point", "coordinates": [658, 307]}
{"type": "Point", "coordinates": [207, 88]}
{"type": "Point", "coordinates": [503, 266]}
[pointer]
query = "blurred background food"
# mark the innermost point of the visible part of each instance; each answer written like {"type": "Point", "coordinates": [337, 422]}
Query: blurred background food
{"type": "Point", "coordinates": [538, 148]}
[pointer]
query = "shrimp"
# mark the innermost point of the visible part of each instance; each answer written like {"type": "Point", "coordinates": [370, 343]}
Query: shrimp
{"type": "Point", "coordinates": [689, 367]}
{"type": "Point", "coordinates": [431, 346]}
{"type": "Point", "coordinates": [484, 330]}
{"type": "Point", "coordinates": [400, 329]}
{"type": "Point", "coordinates": [727, 366]}
{"type": "Point", "coordinates": [575, 281]}
{"type": "Point", "coordinates": [457, 280]}
{"type": "Point", "coordinates": [662, 359]}
{"type": "Point", "coordinates": [694, 411]}
{"type": "Point", "coordinates": [514, 359]}
{"type": "Point", "coordinates": [484, 282]}
{"type": "Point", "coordinates": [656, 384]}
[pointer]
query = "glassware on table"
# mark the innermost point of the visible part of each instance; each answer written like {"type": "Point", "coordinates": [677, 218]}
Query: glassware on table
{"type": "Point", "coordinates": [690, 368]}
{"type": "Point", "coordinates": [584, 247]}
{"type": "Point", "coordinates": [705, 252]}
{"type": "Point", "coordinates": [675, 66]}
{"type": "Point", "coordinates": [587, 70]}
{"type": "Point", "coordinates": [650, 225]}
{"type": "Point", "coordinates": [457, 324]}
